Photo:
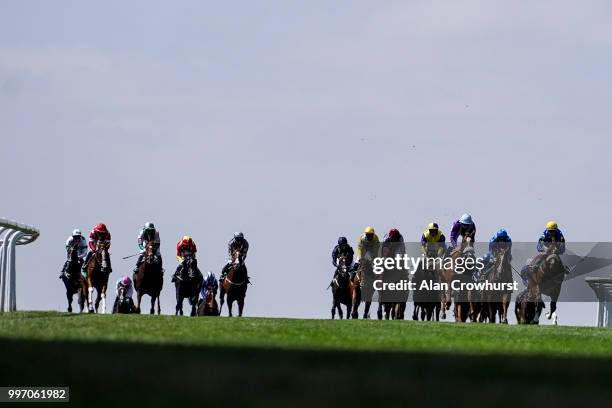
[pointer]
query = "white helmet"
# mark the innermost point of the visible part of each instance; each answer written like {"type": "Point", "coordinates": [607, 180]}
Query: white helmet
{"type": "Point", "coordinates": [76, 232]}
{"type": "Point", "coordinates": [466, 219]}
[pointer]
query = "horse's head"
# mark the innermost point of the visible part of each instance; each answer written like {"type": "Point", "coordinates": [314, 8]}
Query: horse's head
{"type": "Point", "coordinates": [237, 257]}
{"type": "Point", "coordinates": [342, 264]}
{"type": "Point", "coordinates": [150, 252]}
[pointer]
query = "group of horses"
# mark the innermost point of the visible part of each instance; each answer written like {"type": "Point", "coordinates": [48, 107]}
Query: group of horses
{"type": "Point", "coordinates": [149, 280]}
{"type": "Point", "coordinates": [545, 277]}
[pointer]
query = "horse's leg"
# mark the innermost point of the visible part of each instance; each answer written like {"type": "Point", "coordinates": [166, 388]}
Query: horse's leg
{"type": "Point", "coordinates": [69, 298]}
{"type": "Point", "coordinates": [240, 306]}
{"type": "Point", "coordinates": [103, 296]}
{"type": "Point", "coordinates": [349, 307]}
{"type": "Point", "coordinates": [98, 299]}
{"type": "Point", "coordinates": [230, 300]}
{"type": "Point", "coordinates": [81, 299]}
{"type": "Point", "coordinates": [366, 309]}
{"type": "Point", "coordinates": [138, 301]}
{"type": "Point", "coordinates": [333, 309]}
{"type": "Point", "coordinates": [158, 304]}
{"type": "Point", "coordinates": [221, 299]}
{"type": "Point", "coordinates": [89, 293]}
{"type": "Point", "coordinates": [153, 297]}
{"type": "Point", "coordinates": [491, 307]}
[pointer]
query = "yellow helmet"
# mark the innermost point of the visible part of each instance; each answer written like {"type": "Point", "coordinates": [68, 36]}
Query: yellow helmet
{"type": "Point", "coordinates": [187, 238]}
{"type": "Point", "coordinates": [432, 226]}
{"type": "Point", "coordinates": [369, 230]}
{"type": "Point", "coordinates": [551, 225]}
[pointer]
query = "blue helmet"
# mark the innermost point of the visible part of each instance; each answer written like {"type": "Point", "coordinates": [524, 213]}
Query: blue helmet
{"type": "Point", "coordinates": [501, 233]}
{"type": "Point", "coordinates": [342, 241]}
{"type": "Point", "coordinates": [466, 219]}
{"type": "Point", "coordinates": [210, 277]}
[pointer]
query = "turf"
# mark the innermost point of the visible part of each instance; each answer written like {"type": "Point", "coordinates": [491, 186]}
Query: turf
{"type": "Point", "coordinates": [259, 361]}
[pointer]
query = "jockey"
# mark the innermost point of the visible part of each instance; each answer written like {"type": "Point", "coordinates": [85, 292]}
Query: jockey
{"type": "Point", "coordinates": [553, 238]}
{"type": "Point", "coordinates": [77, 241]}
{"type": "Point", "coordinates": [99, 234]}
{"type": "Point", "coordinates": [343, 249]}
{"type": "Point", "coordinates": [126, 283]}
{"type": "Point", "coordinates": [433, 240]}
{"type": "Point", "coordinates": [464, 227]}
{"type": "Point", "coordinates": [240, 244]}
{"type": "Point", "coordinates": [499, 240]}
{"type": "Point", "coordinates": [185, 247]}
{"type": "Point", "coordinates": [393, 243]}
{"type": "Point", "coordinates": [210, 281]}
{"type": "Point", "coordinates": [552, 235]}
{"type": "Point", "coordinates": [148, 234]}
{"type": "Point", "coordinates": [368, 245]}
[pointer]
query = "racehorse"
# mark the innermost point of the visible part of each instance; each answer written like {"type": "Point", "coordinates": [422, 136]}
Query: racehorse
{"type": "Point", "coordinates": [207, 306]}
{"type": "Point", "coordinates": [461, 298]}
{"type": "Point", "coordinates": [73, 280]}
{"type": "Point", "coordinates": [342, 290]}
{"type": "Point", "coordinates": [355, 295]}
{"type": "Point", "coordinates": [188, 284]}
{"type": "Point", "coordinates": [123, 304]}
{"type": "Point", "coordinates": [497, 302]}
{"type": "Point", "coordinates": [528, 309]}
{"type": "Point", "coordinates": [149, 279]}
{"type": "Point", "coordinates": [427, 302]}
{"type": "Point", "coordinates": [98, 271]}
{"type": "Point", "coordinates": [235, 284]}
{"type": "Point", "coordinates": [546, 278]}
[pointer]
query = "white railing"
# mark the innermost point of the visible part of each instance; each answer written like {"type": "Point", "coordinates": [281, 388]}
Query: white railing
{"type": "Point", "coordinates": [12, 233]}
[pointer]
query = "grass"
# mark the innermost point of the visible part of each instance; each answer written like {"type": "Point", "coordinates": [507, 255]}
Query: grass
{"type": "Point", "coordinates": [259, 361]}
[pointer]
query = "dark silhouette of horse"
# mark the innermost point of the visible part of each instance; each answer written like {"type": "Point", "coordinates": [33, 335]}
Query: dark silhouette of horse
{"type": "Point", "coordinates": [342, 290]}
{"type": "Point", "coordinates": [427, 304]}
{"type": "Point", "coordinates": [98, 271]}
{"type": "Point", "coordinates": [545, 276]}
{"type": "Point", "coordinates": [188, 284]}
{"type": "Point", "coordinates": [234, 286]}
{"type": "Point", "coordinates": [123, 304]}
{"type": "Point", "coordinates": [207, 306]}
{"type": "Point", "coordinates": [73, 279]}
{"type": "Point", "coordinates": [498, 302]}
{"type": "Point", "coordinates": [149, 279]}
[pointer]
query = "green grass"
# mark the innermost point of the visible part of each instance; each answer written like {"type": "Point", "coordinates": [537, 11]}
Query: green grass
{"type": "Point", "coordinates": [260, 361]}
{"type": "Point", "coordinates": [362, 335]}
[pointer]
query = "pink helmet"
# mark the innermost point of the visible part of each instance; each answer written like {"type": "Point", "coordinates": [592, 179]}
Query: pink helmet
{"type": "Point", "coordinates": [126, 281]}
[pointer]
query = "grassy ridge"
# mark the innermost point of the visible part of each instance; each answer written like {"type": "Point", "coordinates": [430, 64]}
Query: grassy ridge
{"type": "Point", "coordinates": [361, 335]}
{"type": "Point", "coordinates": [163, 360]}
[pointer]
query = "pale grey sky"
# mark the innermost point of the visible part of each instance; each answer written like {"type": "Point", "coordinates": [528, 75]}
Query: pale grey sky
{"type": "Point", "coordinates": [298, 122]}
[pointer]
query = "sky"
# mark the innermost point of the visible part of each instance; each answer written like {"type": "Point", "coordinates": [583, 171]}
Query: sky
{"type": "Point", "coordinates": [298, 122]}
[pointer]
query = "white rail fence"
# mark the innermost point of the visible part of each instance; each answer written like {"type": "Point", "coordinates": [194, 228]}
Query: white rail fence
{"type": "Point", "coordinates": [12, 234]}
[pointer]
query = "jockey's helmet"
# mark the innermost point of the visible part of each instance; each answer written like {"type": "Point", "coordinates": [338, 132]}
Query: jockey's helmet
{"type": "Point", "coordinates": [100, 228]}
{"type": "Point", "coordinates": [466, 219]}
{"type": "Point", "coordinates": [502, 233]}
{"type": "Point", "coordinates": [76, 233]}
{"type": "Point", "coordinates": [126, 282]}
{"type": "Point", "coordinates": [238, 235]}
{"type": "Point", "coordinates": [551, 226]}
{"type": "Point", "coordinates": [394, 233]}
{"type": "Point", "coordinates": [149, 226]}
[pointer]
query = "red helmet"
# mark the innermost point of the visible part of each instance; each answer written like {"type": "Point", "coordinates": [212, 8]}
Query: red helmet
{"type": "Point", "coordinates": [394, 233]}
{"type": "Point", "coordinates": [100, 228]}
